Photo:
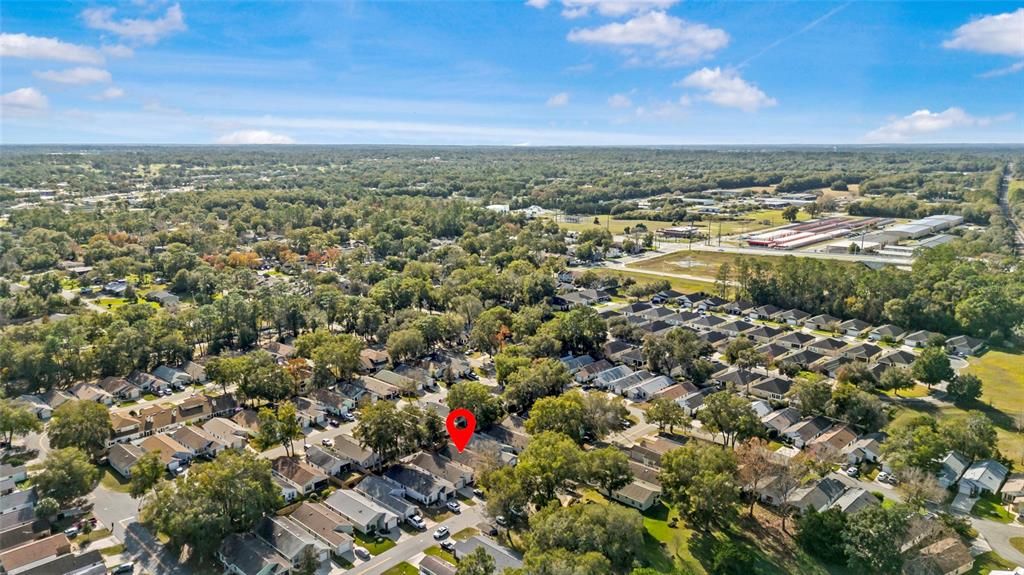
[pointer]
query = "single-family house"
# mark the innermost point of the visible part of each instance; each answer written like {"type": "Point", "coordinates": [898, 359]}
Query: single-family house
{"type": "Point", "coordinates": [458, 474]}
{"type": "Point", "coordinates": [331, 402]}
{"type": "Point", "coordinates": [90, 392]}
{"type": "Point", "coordinates": [736, 328]}
{"type": "Point", "coordinates": [855, 499]}
{"type": "Point", "coordinates": [174, 376]}
{"type": "Point", "coordinates": [649, 450]}
{"type": "Point", "coordinates": [326, 461]}
{"type": "Point", "coordinates": [948, 556]}
{"type": "Point", "coordinates": [707, 322]}
{"type": "Point", "coordinates": [164, 298]}
{"type": "Point", "coordinates": [198, 441]}
{"type": "Point", "coordinates": [303, 476]}
{"type": "Point", "coordinates": [226, 431]}
{"type": "Point", "coordinates": [371, 359]}
{"type": "Point", "coordinates": [350, 449]}
{"type": "Point", "coordinates": [897, 358]}
{"type": "Point", "coordinates": [290, 540]}
{"type": "Point", "coordinates": [431, 565]}
{"type": "Point", "coordinates": [763, 333]}
{"type": "Point", "coordinates": [122, 456]}
{"type": "Point", "coordinates": [772, 388]}
{"type": "Point", "coordinates": [822, 322]}
{"type": "Point", "coordinates": [887, 332]}
{"type": "Point", "coordinates": [420, 485]}
{"type": "Point", "coordinates": [826, 345]}
{"type": "Point", "coordinates": [36, 405]}
{"type": "Point", "coordinates": [985, 476]}
{"type": "Point", "coordinates": [951, 468]}
{"type": "Point", "coordinates": [27, 556]}
{"type": "Point", "coordinates": [863, 449]}
{"type": "Point", "coordinates": [196, 371]}
{"type": "Point", "coordinates": [964, 345]}
{"type": "Point", "coordinates": [1013, 488]}
{"type": "Point", "coordinates": [818, 495]}
{"type": "Point", "coordinates": [120, 388]}
{"type": "Point", "coordinates": [795, 317]}
{"type": "Point", "coordinates": [780, 420]}
{"type": "Point", "coordinates": [861, 351]}
{"type": "Point", "coordinates": [247, 554]}
{"type": "Point", "coordinates": [645, 389]}
{"type": "Point", "coordinates": [806, 429]}
{"type": "Point", "coordinates": [124, 428]}
{"type": "Point", "coordinates": [172, 454]}
{"type": "Point", "coordinates": [588, 372]}
{"type": "Point", "coordinates": [854, 327]}
{"type": "Point", "coordinates": [325, 525]}
{"type": "Point", "coordinates": [638, 495]}
{"type": "Point", "coordinates": [764, 312]}
{"type": "Point", "coordinates": [921, 338]}
{"type": "Point", "coordinates": [388, 495]}
{"type": "Point", "coordinates": [281, 352]}
{"type": "Point", "coordinates": [365, 515]}
{"type": "Point", "coordinates": [18, 500]}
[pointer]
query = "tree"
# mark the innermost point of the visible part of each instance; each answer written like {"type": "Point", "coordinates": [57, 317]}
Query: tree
{"type": "Point", "coordinates": [812, 395]}
{"type": "Point", "coordinates": [581, 330]}
{"type": "Point", "coordinates": [542, 378]}
{"type": "Point", "coordinates": [146, 473]}
{"type": "Point", "coordinates": [602, 413]}
{"type": "Point", "coordinates": [288, 426]}
{"type": "Point", "coordinates": [873, 538]}
{"type": "Point", "coordinates": [974, 435]}
{"type": "Point", "coordinates": [666, 413]}
{"type": "Point", "coordinates": [699, 479]}
{"type": "Point", "coordinates": [308, 563]}
{"type": "Point", "coordinates": [932, 366]}
{"type": "Point", "coordinates": [227, 495]}
{"type": "Point", "coordinates": [490, 330]}
{"type": "Point", "coordinates": [478, 399]}
{"type": "Point", "coordinates": [897, 378]}
{"type": "Point", "coordinates": [268, 433]}
{"type": "Point", "coordinates": [507, 496]}
{"type": "Point", "coordinates": [731, 559]}
{"type": "Point", "coordinates": [919, 486]}
{"type": "Point", "coordinates": [729, 414]}
{"type": "Point", "coordinates": [735, 347]}
{"type": "Point", "coordinates": [337, 358]}
{"type": "Point", "coordinates": [857, 407]}
{"type": "Point", "coordinates": [614, 531]}
{"type": "Point", "coordinates": [678, 348]}
{"type": "Point", "coordinates": [607, 469]}
{"type": "Point", "coordinates": [562, 562]}
{"type": "Point", "coordinates": [405, 344]}
{"type": "Point", "coordinates": [964, 388]}
{"type": "Point", "coordinates": [47, 508]}
{"type": "Point", "coordinates": [790, 213]}
{"type": "Point", "coordinates": [823, 534]}
{"type": "Point", "coordinates": [915, 442]}
{"type": "Point", "coordinates": [378, 428]}
{"type": "Point", "coordinates": [550, 462]}
{"type": "Point", "coordinates": [477, 562]}
{"type": "Point", "coordinates": [81, 424]}
{"type": "Point", "coordinates": [754, 464]}
{"type": "Point", "coordinates": [16, 419]}
{"type": "Point", "coordinates": [564, 414]}
{"type": "Point", "coordinates": [858, 374]}
{"type": "Point", "coordinates": [67, 475]}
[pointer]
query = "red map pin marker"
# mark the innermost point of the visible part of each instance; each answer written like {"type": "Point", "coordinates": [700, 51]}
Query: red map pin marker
{"type": "Point", "coordinates": [461, 435]}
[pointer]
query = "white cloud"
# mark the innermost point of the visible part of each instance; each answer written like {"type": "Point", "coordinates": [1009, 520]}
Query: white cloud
{"type": "Point", "coordinates": [995, 34]}
{"type": "Point", "coordinates": [75, 76]}
{"type": "Point", "coordinates": [619, 101]}
{"type": "Point", "coordinates": [254, 137]}
{"type": "Point", "coordinates": [726, 88]}
{"type": "Point", "coordinates": [558, 100]}
{"type": "Point", "coordinates": [538, 4]}
{"type": "Point", "coordinates": [612, 8]}
{"type": "Point", "coordinates": [924, 122]}
{"type": "Point", "coordinates": [1005, 71]}
{"type": "Point", "coordinates": [39, 48]}
{"type": "Point", "coordinates": [111, 93]}
{"type": "Point", "coordinates": [118, 51]}
{"type": "Point", "coordinates": [674, 41]}
{"type": "Point", "coordinates": [137, 29]}
{"type": "Point", "coordinates": [23, 101]}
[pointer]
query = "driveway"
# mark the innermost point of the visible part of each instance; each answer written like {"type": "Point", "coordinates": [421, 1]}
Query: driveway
{"type": "Point", "coordinates": [413, 546]}
{"type": "Point", "coordinates": [113, 508]}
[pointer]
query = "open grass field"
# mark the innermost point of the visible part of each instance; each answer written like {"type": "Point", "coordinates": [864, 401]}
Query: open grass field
{"type": "Point", "coordinates": [1002, 373]}
{"type": "Point", "coordinates": [704, 264]}
{"type": "Point", "coordinates": [616, 227]}
{"type": "Point", "coordinates": [741, 223]}
{"type": "Point", "coordinates": [678, 284]}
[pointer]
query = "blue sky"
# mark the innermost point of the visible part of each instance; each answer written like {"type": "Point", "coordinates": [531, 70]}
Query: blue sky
{"type": "Point", "coordinates": [543, 72]}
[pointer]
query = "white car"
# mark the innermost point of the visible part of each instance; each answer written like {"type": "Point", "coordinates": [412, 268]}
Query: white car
{"type": "Point", "coordinates": [454, 506]}
{"type": "Point", "coordinates": [327, 442]}
{"type": "Point", "coordinates": [441, 532]}
{"type": "Point", "coordinates": [417, 522]}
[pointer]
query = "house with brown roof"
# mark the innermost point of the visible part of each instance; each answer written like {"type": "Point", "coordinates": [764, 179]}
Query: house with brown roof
{"type": "Point", "coordinates": [172, 453]}
{"type": "Point", "coordinates": [327, 526]}
{"type": "Point", "coordinates": [90, 392]}
{"type": "Point", "coordinates": [198, 441]}
{"type": "Point", "coordinates": [650, 450]}
{"type": "Point", "coordinates": [123, 456]}
{"type": "Point", "coordinates": [228, 432]}
{"type": "Point", "coordinates": [305, 478]}
{"type": "Point", "coordinates": [38, 552]}
{"type": "Point", "coordinates": [831, 442]}
{"type": "Point", "coordinates": [120, 388]}
{"type": "Point", "coordinates": [947, 556]}
{"type": "Point", "coordinates": [124, 428]}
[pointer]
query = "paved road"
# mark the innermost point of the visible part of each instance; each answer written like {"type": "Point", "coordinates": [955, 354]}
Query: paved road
{"type": "Point", "coordinates": [998, 536]}
{"type": "Point", "coordinates": [413, 546]}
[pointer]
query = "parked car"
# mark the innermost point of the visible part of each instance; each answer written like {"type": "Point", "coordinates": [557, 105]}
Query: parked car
{"type": "Point", "coordinates": [72, 532]}
{"type": "Point", "coordinates": [333, 422]}
{"type": "Point", "coordinates": [123, 569]}
{"type": "Point", "coordinates": [479, 493]}
{"type": "Point", "coordinates": [348, 417]}
{"type": "Point", "coordinates": [417, 522]}
{"type": "Point", "coordinates": [500, 520]}
{"type": "Point", "coordinates": [448, 546]}
{"type": "Point", "coordinates": [852, 471]}
{"type": "Point", "coordinates": [361, 553]}
{"type": "Point", "coordinates": [453, 506]}
{"type": "Point", "coordinates": [882, 477]}
{"type": "Point", "coordinates": [327, 442]}
{"type": "Point", "coordinates": [441, 532]}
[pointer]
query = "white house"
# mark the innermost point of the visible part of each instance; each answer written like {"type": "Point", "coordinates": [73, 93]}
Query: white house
{"type": "Point", "coordinates": [985, 476]}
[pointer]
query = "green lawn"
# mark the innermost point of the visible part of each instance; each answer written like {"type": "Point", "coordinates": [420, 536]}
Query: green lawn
{"type": "Point", "coordinates": [440, 554]}
{"type": "Point", "coordinates": [1002, 375]}
{"type": "Point", "coordinates": [1011, 442]}
{"type": "Point", "coordinates": [990, 507]}
{"type": "Point", "coordinates": [402, 569]}
{"type": "Point", "coordinates": [678, 284]}
{"type": "Point", "coordinates": [1018, 543]}
{"type": "Point", "coordinates": [696, 263]}
{"type": "Point", "coordinates": [112, 480]}
{"type": "Point", "coordinates": [614, 226]}
{"type": "Point", "coordinates": [374, 544]}
{"type": "Point", "coordinates": [990, 561]}
{"type": "Point", "coordinates": [466, 534]}
{"type": "Point", "coordinates": [113, 549]}
{"type": "Point", "coordinates": [917, 391]}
